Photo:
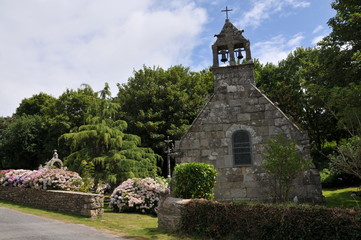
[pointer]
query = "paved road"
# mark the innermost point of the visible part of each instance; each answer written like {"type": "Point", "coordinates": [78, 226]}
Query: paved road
{"type": "Point", "coordinates": [22, 226]}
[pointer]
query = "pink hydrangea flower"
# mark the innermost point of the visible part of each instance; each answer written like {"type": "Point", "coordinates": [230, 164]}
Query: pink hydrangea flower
{"type": "Point", "coordinates": [138, 195]}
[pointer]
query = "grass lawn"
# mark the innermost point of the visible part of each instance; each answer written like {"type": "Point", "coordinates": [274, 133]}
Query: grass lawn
{"type": "Point", "coordinates": [127, 225]}
{"type": "Point", "coordinates": [342, 198]}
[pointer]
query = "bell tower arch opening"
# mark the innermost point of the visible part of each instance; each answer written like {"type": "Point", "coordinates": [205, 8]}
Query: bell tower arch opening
{"type": "Point", "coordinates": [230, 45]}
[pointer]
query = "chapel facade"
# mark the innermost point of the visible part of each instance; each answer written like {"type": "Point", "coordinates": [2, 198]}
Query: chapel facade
{"type": "Point", "coordinates": [235, 125]}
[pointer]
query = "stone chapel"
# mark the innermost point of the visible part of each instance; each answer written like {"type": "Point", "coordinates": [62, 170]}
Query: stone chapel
{"type": "Point", "coordinates": [233, 127]}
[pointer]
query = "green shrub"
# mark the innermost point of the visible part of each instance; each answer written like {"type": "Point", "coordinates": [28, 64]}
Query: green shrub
{"type": "Point", "coordinates": [194, 180]}
{"type": "Point", "coordinates": [214, 220]}
{"type": "Point", "coordinates": [333, 177]}
{"type": "Point", "coordinates": [327, 178]}
{"type": "Point", "coordinates": [283, 163]}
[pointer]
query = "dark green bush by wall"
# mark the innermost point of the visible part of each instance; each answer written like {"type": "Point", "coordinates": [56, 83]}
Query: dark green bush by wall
{"type": "Point", "coordinates": [194, 180]}
{"type": "Point", "coordinates": [214, 220]}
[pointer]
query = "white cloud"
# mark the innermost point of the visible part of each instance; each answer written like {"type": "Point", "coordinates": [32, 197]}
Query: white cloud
{"type": "Point", "coordinates": [263, 9]}
{"type": "Point", "coordinates": [295, 40]}
{"type": "Point", "coordinates": [317, 29]}
{"type": "Point", "coordinates": [276, 49]}
{"type": "Point", "coordinates": [297, 4]}
{"type": "Point", "coordinates": [317, 39]}
{"type": "Point", "coordinates": [53, 45]}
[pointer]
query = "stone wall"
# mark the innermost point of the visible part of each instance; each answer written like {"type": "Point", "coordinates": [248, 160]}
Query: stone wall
{"type": "Point", "coordinates": [239, 105]}
{"type": "Point", "coordinates": [85, 204]}
{"type": "Point", "coordinates": [169, 212]}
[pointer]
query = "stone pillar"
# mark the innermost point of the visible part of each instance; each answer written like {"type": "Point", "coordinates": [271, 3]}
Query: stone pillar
{"type": "Point", "coordinates": [232, 61]}
{"type": "Point", "coordinates": [169, 212]}
{"type": "Point", "coordinates": [215, 56]}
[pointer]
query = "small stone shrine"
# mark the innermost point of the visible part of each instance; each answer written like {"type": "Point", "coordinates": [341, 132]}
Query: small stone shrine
{"type": "Point", "coordinates": [235, 125]}
{"type": "Point", "coordinates": [55, 162]}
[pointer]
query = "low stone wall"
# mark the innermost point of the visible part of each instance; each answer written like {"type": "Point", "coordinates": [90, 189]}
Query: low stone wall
{"type": "Point", "coordinates": [85, 204]}
{"type": "Point", "coordinates": [169, 212]}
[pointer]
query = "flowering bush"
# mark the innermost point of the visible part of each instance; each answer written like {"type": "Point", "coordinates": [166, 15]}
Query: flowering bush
{"type": "Point", "coordinates": [27, 178]}
{"type": "Point", "coordinates": [13, 178]}
{"type": "Point", "coordinates": [138, 195]}
{"type": "Point", "coordinates": [57, 179]}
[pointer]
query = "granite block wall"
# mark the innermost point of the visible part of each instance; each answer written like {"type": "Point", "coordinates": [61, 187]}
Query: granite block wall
{"type": "Point", "coordinates": [84, 204]}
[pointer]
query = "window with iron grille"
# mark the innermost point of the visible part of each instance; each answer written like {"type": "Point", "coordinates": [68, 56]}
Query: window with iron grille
{"type": "Point", "coordinates": [242, 153]}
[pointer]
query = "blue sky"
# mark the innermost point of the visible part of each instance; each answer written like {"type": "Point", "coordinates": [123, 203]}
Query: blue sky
{"type": "Point", "coordinates": [49, 46]}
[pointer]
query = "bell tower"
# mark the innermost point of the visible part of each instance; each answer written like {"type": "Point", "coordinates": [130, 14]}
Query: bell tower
{"type": "Point", "coordinates": [230, 45]}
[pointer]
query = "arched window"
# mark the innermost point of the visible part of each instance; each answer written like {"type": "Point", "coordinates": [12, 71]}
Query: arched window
{"type": "Point", "coordinates": [242, 153]}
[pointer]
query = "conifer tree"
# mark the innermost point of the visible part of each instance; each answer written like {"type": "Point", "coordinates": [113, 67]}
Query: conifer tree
{"type": "Point", "coordinates": [102, 146]}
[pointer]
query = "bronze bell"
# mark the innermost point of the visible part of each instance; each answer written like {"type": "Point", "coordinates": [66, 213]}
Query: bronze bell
{"type": "Point", "coordinates": [224, 57]}
{"type": "Point", "coordinates": [240, 56]}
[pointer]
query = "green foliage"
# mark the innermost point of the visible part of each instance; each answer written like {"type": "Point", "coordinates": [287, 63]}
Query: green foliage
{"type": "Point", "coordinates": [295, 85]}
{"type": "Point", "coordinates": [157, 103]}
{"type": "Point", "coordinates": [346, 25]}
{"type": "Point", "coordinates": [73, 104]}
{"type": "Point", "coordinates": [88, 172]}
{"type": "Point", "coordinates": [102, 146]}
{"type": "Point", "coordinates": [20, 143]}
{"type": "Point", "coordinates": [327, 178]}
{"type": "Point", "coordinates": [194, 180]}
{"type": "Point", "coordinates": [349, 156]}
{"type": "Point", "coordinates": [319, 87]}
{"type": "Point", "coordinates": [213, 220]}
{"type": "Point", "coordinates": [38, 104]}
{"type": "Point", "coordinates": [283, 163]}
{"type": "Point", "coordinates": [334, 177]}
{"type": "Point", "coordinates": [346, 103]}
{"type": "Point", "coordinates": [30, 136]}
{"type": "Point", "coordinates": [341, 59]}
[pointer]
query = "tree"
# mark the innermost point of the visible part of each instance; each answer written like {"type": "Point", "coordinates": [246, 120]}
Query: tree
{"type": "Point", "coordinates": [52, 123]}
{"type": "Point", "coordinates": [346, 26]}
{"type": "Point", "coordinates": [30, 136]}
{"type": "Point", "coordinates": [73, 104]}
{"type": "Point", "coordinates": [158, 103]}
{"type": "Point", "coordinates": [102, 145]}
{"type": "Point", "coordinates": [38, 104]}
{"type": "Point", "coordinates": [349, 156]}
{"type": "Point", "coordinates": [20, 144]}
{"type": "Point", "coordinates": [293, 85]}
{"type": "Point", "coordinates": [340, 55]}
{"type": "Point", "coordinates": [283, 163]}
{"type": "Point", "coordinates": [4, 123]}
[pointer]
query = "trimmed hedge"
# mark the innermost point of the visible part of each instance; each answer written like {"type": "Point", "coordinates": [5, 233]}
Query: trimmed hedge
{"type": "Point", "coordinates": [215, 220]}
{"type": "Point", "coordinates": [194, 180]}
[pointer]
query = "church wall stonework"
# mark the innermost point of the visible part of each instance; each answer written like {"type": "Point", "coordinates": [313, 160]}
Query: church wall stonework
{"type": "Point", "coordinates": [238, 104]}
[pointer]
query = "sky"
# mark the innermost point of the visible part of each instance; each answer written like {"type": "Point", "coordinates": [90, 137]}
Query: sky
{"type": "Point", "coordinates": [50, 46]}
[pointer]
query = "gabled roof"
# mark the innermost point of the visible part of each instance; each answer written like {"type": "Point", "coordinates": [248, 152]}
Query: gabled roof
{"type": "Point", "coordinates": [230, 33]}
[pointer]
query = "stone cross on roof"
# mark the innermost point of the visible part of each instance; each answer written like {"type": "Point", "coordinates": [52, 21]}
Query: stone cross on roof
{"type": "Point", "coordinates": [226, 10]}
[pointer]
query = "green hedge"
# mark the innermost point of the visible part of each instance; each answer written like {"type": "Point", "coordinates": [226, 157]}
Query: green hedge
{"type": "Point", "coordinates": [215, 220]}
{"type": "Point", "coordinates": [194, 180]}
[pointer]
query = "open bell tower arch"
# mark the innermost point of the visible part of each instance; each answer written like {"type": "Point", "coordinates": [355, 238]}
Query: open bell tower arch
{"type": "Point", "coordinates": [230, 45]}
